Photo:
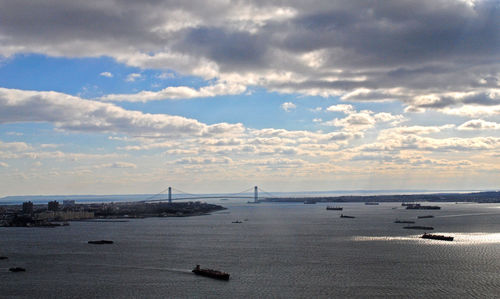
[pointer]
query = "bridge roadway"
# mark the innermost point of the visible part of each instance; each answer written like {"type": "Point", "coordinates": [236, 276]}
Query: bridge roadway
{"type": "Point", "coordinates": [189, 196]}
{"type": "Point", "coordinates": [199, 197]}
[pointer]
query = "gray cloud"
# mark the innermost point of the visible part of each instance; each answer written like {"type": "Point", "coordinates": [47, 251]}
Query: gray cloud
{"type": "Point", "coordinates": [320, 47]}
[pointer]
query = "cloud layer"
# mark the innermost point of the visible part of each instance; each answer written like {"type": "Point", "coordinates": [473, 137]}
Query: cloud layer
{"type": "Point", "coordinates": [375, 51]}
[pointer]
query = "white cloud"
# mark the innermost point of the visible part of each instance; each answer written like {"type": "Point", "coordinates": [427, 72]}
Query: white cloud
{"type": "Point", "coordinates": [3, 164]}
{"type": "Point", "coordinates": [179, 92]}
{"type": "Point", "coordinates": [117, 165]}
{"type": "Point", "coordinates": [133, 77]}
{"type": "Point", "coordinates": [75, 114]}
{"type": "Point", "coordinates": [479, 124]}
{"type": "Point", "coordinates": [288, 106]}
{"type": "Point", "coordinates": [106, 74]}
{"type": "Point", "coordinates": [347, 109]}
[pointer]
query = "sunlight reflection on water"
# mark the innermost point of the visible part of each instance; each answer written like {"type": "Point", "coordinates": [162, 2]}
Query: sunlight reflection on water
{"type": "Point", "coordinates": [460, 238]}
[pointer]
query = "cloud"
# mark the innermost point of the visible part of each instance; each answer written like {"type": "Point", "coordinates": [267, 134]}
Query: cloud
{"type": "Point", "coordinates": [133, 77]}
{"type": "Point", "coordinates": [360, 51]}
{"type": "Point", "coordinates": [347, 109]}
{"type": "Point", "coordinates": [288, 106]}
{"type": "Point", "coordinates": [362, 120]}
{"type": "Point", "coordinates": [478, 124]}
{"type": "Point", "coordinates": [75, 114]}
{"type": "Point", "coordinates": [3, 164]}
{"type": "Point", "coordinates": [178, 92]}
{"type": "Point", "coordinates": [106, 74]}
{"type": "Point", "coordinates": [117, 165]}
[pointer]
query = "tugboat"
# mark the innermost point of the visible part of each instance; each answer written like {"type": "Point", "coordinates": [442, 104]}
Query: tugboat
{"type": "Point", "coordinates": [17, 269]}
{"type": "Point", "coordinates": [332, 208]}
{"type": "Point", "coordinates": [100, 242]}
{"type": "Point", "coordinates": [436, 237]}
{"type": "Point", "coordinates": [211, 273]}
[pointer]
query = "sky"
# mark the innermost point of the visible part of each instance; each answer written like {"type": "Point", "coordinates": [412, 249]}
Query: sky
{"type": "Point", "coordinates": [126, 97]}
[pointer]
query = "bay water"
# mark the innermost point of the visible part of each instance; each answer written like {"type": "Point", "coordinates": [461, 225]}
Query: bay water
{"type": "Point", "coordinates": [279, 250]}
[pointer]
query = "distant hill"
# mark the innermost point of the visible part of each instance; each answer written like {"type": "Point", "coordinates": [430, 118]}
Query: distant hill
{"type": "Point", "coordinates": [483, 197]}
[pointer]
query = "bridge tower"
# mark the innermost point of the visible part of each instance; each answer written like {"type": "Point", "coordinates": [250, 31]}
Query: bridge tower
{"type": "Point", "coordinates": [255, 194]}
{"type": "Point", "coordinates": [169, 194]}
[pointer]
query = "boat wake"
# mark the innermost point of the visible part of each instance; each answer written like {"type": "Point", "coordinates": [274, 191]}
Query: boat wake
{"type": "Point", "coordinates": [187, 271]}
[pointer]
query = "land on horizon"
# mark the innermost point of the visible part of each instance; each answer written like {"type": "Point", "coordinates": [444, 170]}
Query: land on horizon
{"type": "Point", "coordinates": [320, 196]}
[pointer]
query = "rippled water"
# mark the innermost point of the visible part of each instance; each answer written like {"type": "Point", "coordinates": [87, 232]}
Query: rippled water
{"type": "Point", "coordinates": [280, 251]}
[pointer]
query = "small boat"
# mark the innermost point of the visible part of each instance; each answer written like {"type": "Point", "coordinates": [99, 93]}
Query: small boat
{"type": "Point", "coordinates": [436, 237]}
{"type": "Point", "coordinates": [3, 257]}
{"type": "Point", "coordinates": [345, 216]}
{"type": "Point", "coordinates": [17, 269]}
{"type": "Point", "coordinates": [237, 221]}
{"type": "Point", "coordinates": [425, 216]}
{"type": "Point", "coordinates": [370, 203]}
{"type": "Point", "coordinates": [211, 273]}
{"type": "Point", "coordinates": [309, 201]}
{"type": "Point", "coordinates": [419, 227]}
{"type": "Point", "coordinates": [404, 221]}
{"type": "Point", "coordinates": [100, 242]}
{"type": "Point", "coordinates": [332, 208]}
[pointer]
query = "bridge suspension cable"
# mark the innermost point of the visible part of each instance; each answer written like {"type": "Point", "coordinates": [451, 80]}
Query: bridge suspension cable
{"type": "Point", "coordinates": [266, 193]}
{"type": "Point", "coordinates": [153, 196]}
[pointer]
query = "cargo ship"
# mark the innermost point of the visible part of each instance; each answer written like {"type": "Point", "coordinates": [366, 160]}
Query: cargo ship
{"type": "Point", "coordinates": [211, 273]}
{"type": "Point", "coordinates": [419, 227]}
{"type": "Point", "coordinates": [100, 242]}
{"type": "Point", "coordinates": [345, 216]}
{"type": "Point", "coordinates": [17, 269]}
{"type": "Point", "coordinates": [425, 216]}
{"type": "Point", "coordinates": [332, 208]}
{"type": "Point", "coordinates": [436, 237]}
{"type": "Point", "coordinates": [418, 206]}
{"type": "Point", "coordinates": [404, 221]}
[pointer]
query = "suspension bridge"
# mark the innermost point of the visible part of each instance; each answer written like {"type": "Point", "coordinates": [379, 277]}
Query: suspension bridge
{"type": "Point", "coordinates": [168, 195]}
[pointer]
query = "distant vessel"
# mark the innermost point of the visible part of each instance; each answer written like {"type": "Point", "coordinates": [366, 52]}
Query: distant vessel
{"type": "Point", "coordinates": [332, 208]}
{"type": "Point", "coordinates": [237, 221]}
{"type": "Point", "coordinates": [310, 201]}
{"type": "Point", "coordinates": [3, 257]}
{"type": "Point", "coordinates": [436, 237]}
{"type": "Point", "coordinates": [345, 216]}
{"type": "Point", "coordinates": [419, 227]}
{"type": "Point", "coordinates": [17, 269]}
{"type": "Point", "coordinates": [371, 203]}
{"type": "Point", "coordinates": [403, 221]}
{"type": "Point", "coordinates": [211, 273]}
{"type": "Point", "coordinates": [425, 216]}
{"type": "Point", "coordinates": [99, 242]}
{"type": "Point", "coordinates": [417, 206]}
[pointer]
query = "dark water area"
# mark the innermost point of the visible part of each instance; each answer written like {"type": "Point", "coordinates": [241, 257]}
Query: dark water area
{"type": "Point", "coordinates": [278, 251]}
